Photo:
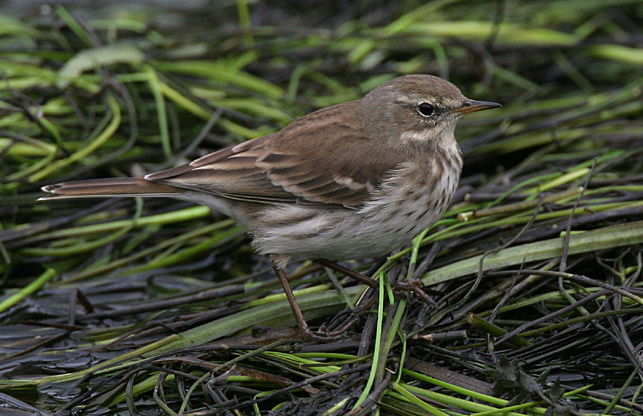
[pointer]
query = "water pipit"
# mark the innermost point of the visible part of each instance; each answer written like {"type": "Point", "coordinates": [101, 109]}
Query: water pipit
{"type": "Point", "coordinates": [351, 181]}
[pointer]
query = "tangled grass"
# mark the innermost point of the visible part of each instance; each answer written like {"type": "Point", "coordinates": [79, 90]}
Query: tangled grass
{"type": "Point", "coordinates": [157, 306]}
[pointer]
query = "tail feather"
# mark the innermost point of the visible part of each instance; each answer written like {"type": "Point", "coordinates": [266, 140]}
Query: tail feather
{"type": "Point", "coordinates": [113, 187]}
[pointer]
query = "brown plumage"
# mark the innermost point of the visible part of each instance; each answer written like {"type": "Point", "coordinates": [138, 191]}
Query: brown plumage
{"type": "Point", "coordinates": [354, 180]}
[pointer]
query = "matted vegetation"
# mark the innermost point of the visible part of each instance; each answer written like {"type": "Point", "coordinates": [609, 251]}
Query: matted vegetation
{"type": "Point", "coordinates": [160, 307]}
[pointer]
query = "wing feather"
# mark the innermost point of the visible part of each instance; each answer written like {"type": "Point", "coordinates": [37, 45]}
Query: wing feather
{"type": "Point", "coordinates": [312, 162]}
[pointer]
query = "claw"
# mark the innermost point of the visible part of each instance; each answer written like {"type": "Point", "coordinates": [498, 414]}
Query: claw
{"type": "Point", "coordinates": [414, 286]}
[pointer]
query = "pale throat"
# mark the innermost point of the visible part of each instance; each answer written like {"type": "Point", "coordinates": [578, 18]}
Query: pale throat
{"type": "Point", "coordinates": [444, 133]}
{"type": "Point", "coordinates": [417, 135]}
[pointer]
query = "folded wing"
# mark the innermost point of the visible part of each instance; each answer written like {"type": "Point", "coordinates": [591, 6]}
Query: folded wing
{"type": "Point", "coordinates": [319, 169]}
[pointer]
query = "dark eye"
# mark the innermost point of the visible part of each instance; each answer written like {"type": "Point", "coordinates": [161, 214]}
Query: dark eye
{"type": "Point", "coordinates": [425, 109]}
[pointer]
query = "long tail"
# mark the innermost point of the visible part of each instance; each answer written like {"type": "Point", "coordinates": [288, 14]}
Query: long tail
{"type": "Point", "coordinates": [113, 187]}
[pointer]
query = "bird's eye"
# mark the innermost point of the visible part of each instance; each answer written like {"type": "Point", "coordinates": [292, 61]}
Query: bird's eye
{"type": "Point", "coordinates": [425, 109]}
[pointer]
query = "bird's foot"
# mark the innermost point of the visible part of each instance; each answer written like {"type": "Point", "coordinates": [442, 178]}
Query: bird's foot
{"type": "Point", "coordinates": [324, 335]}
{"type": "Point", "coordinates": [414, 286]}
{"type": "Point", "coordinates": [321, 336]}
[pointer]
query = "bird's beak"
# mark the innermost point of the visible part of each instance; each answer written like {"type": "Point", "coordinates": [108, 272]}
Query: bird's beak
{"type": "Point", "coordinates": [471, 106]}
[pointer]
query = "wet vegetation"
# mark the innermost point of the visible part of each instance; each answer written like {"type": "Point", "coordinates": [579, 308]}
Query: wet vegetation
{"type": "Point", "coordinates": [156, 306]}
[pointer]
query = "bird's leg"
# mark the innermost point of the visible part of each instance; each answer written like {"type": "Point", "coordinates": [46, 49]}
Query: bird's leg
{"type": "Point", "coordinates": [306, 333]}
{"type": "Point", "coordinates": [413, 285]}
{"type": "Point", "coordinates": [348, 272]}
{"type": "Point", "coordinates": [299, 317]}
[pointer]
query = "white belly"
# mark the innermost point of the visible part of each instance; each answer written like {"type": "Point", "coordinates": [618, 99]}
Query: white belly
{"type": "Point", "coordinates": [389, 221]}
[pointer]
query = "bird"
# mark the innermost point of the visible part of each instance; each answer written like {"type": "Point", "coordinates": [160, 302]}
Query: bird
{"type": "Point", "coordinates": [351, 181]}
